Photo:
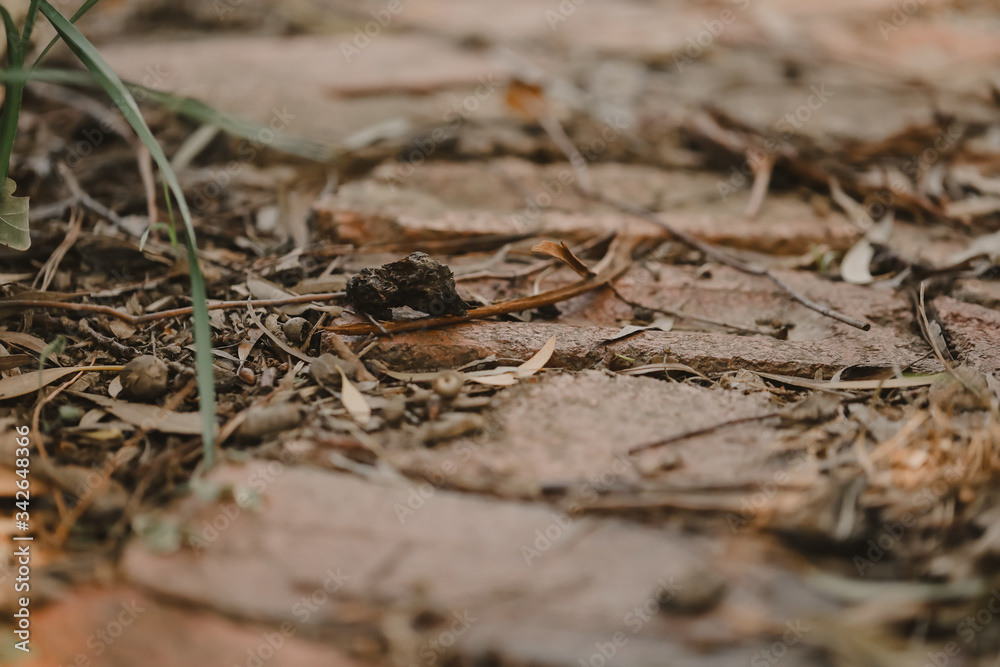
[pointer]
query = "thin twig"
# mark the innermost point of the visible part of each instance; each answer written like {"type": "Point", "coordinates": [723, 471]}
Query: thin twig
{"type": "Point", "coordinates": [162, 315]}
{"type": "Point", "coordinates": [55, 259]}
{"type": "Point", "coordinates": [700, 431]}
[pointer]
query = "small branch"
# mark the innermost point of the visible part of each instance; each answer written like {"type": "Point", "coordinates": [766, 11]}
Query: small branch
{"type": "Point", "coordinates": [700, 431]}
{"type": "Point", "coordinates": [162, 315]}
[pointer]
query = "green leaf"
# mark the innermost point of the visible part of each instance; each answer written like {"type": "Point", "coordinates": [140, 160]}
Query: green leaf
{"type": "Point", "coordinates": [13, 218]}
{"type": "Point", "coordinates": [12, 99]}
{"type": "Point", "coordinates": [113, 85]}
{"type": "Point", "coordinates": [53, 349]}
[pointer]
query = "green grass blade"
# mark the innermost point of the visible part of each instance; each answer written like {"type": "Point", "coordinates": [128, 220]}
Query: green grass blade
{"type": "Point", "coordinates": [12, 99]}
{"type": "Point", "coordinates": [113, 85]}
{"type": "Point", "coordinates": [73, 19]}
{"type": "Point", "coordinates": [29, 22]}
{"type": "Point", "coordinates": [190, 108]}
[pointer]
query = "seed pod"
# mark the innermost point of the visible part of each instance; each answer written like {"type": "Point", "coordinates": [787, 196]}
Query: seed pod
{"type": "Point", "coordinates": [448, 385]}
{"type": "Point", "coordinates": [270, 420]}
{"type": "Point", "coordinates": [394, 411]}
{"type": "Point", "coordinates": [453, 425]}
{"type": "Point", "coordinates": [144, 378]}
{"type": "Point", "coordinates": [296, 330]}
{"type": "Point", "coordinates": [247, 375]}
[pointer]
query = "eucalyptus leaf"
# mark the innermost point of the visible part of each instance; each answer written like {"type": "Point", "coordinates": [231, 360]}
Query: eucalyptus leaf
{"type": "Point", "coordinates": [13, 218]}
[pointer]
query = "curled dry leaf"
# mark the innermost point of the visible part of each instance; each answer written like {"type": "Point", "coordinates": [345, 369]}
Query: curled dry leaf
{"type": "Point", "coordinates": [503, 376]}
{"type": "Point", "coordinates": [562, 252]}
{"type": "Point", "coordinates": [855, 268]}
{"type": "Point", "coordinates": [660, 324]}
{"type": "Point", "coordinates": [527, 369]}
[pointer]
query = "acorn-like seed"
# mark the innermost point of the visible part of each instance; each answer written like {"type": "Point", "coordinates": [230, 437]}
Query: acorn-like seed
{"type": "Point", "coordinates": [296, 329]}
{"type": "Point", "coordinates": [145, 378]}
{"type": "Point", "coordinates": [448, 385]}
{"type": "Point", "coordinates": [394, 411]}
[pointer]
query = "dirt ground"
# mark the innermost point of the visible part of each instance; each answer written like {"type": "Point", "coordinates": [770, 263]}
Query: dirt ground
{"type": "Point", "coordinates": [701, 365]}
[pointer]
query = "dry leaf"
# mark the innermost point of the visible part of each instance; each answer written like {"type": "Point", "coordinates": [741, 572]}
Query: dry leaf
{"type": "Point", "coordinates": [27, 341]}
{"type": "Point", "coordinates": [855, 267]}
{"type": "Point", "coordinates": [660, 324]}
{"type": "Point", "coordinates": [10, 361]}
{"type": "Point", "coordinates": [121, 329]}
{"type": "Point", "coordinates": [355, 402]}
{"type": "Point", "coordinates": [988, 246]}
{"type": "Point", "coordinates": [562, 252]}
{"type": "Point", "coordinates": [660, 368]}
{"type": "Point", "coordinates": [115, 387]}
{"type": "Point", "coordinates": [19, 385]}
{"type": "Point", "coordinates": [531, 366]}
{"type": "Point", "coordinates": [857, 385]}
{"type": "Point", "coordinates": [149, 417]}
